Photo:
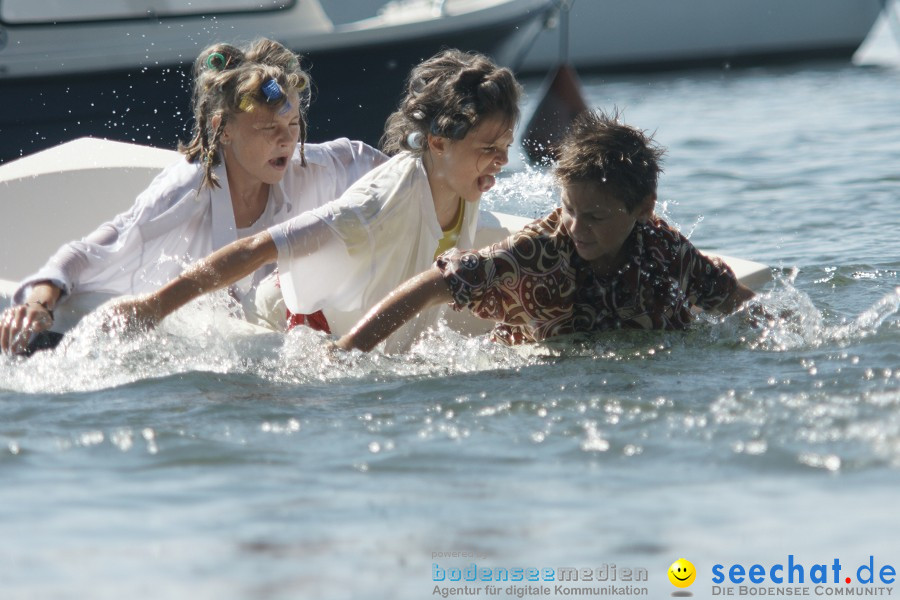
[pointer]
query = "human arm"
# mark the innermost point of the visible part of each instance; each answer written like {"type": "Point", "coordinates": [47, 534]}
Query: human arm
{"type": "Point", "coordinates": [736, 299]}
{"type": "Point", "coordinates": [35, 314]}
{"type": "Point", "coordinates": [63, 270]}
{"type": "Point", "coordinates": [102, 261]}
{"type": "Point", "coordinates": [422, 291]}
{"type": "Point", "coordinates": [478, 282]}
{"type": "Point", "coordinates": [162, 220]}
{"type": "Point", "coordinates": [39, 295]}
{"type": "Point", "coordinates": [733, 296]}
{"type": "Point", "coordinates": [223, 267]}
{"type": "Point", "coordinates": [709, 281]}
{"type": "Point", "coordinates": [757, 313]}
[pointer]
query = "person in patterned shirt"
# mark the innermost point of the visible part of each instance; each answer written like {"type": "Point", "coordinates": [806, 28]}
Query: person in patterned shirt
{"type": "Point", "coordinates": [601, 261]}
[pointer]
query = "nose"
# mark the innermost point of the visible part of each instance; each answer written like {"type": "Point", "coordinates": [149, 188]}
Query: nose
{"type": "Point", "coordinates": [286, 137]}
{"type": "Point", "coordinates": [578, 226]}
{"type": "Point", "coordinates": [502, 157]}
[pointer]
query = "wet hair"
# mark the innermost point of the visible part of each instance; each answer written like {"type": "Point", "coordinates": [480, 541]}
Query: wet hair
{"type": "Point", "coordinates": [448, 95]}
{"type": "Point", "coordinates": [230, 79]}
{"type": "Point", "coordinates": [599, 149]}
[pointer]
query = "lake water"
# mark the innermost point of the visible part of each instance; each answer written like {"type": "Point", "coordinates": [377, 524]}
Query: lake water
{"type": "Point", "coordinates": [186, 466]}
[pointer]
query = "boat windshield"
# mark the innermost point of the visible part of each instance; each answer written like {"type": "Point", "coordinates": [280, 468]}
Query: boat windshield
{"type": "Point", "coordinates": [29, 12]}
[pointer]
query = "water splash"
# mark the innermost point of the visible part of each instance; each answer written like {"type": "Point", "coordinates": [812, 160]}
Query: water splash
{"type": "Point", "coordinates": [206, 337]}
{"type": "Point", "coordinates": [209, 336]}
{"type": "Point", "coordinates": [793, 321]}
{"type": "Point", "coordinates": [870, 320]}
{"type": "Point", "coordinates": [534, 188]}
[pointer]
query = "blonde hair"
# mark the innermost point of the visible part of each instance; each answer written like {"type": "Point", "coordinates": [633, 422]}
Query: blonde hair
{"type": "Point", "coordinates": [226, 78]}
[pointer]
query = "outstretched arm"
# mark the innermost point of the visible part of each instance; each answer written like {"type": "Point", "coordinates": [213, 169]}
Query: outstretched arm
{"type": "Point", "coordinates": [221, 268]}
{"type": "Point", "coordinates": [422, 291]}
{"type": "Point", "coordinates": [756, 312]}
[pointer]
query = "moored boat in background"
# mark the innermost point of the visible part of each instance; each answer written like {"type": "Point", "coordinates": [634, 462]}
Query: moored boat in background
{"type": "Point", "coordinates": [629, 35]}
{"type": "Point", "coordinates": [121, 70]}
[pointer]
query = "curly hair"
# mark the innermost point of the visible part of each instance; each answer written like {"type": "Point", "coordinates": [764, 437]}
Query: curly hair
{"type": "Point", "coordinates": [224, 77]}
{"type": "Point", "coordinates": [448, 95]}
{"type": "Point", "coordinates": [599, 149]}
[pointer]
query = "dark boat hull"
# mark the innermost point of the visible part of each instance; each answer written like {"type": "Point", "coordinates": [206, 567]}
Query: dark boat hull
{"type": "Point", "coordinates": [355, 89]}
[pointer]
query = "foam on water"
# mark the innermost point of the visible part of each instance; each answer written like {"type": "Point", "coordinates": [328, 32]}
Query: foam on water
{"type": "Point", "coordinates": [206, 337]}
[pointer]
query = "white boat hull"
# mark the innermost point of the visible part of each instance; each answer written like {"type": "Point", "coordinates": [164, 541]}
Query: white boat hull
{"type": "Point", "coordinates": [651, 34]}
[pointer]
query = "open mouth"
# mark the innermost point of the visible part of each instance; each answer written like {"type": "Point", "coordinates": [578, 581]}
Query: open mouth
{"type": "Point", "coordinates": [279, 163]}
{"type": "Point", "coordinates": [486, 182]}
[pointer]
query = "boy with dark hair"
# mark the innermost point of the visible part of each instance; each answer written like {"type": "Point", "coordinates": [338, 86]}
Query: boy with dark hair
{"type": "Point", "coordinates": [601, 261]}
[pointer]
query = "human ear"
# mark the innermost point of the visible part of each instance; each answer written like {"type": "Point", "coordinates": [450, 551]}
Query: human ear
{"type": "Point", "coordinates": [646, 208]}
{"type": "Point", "coordinates": [437, 144]}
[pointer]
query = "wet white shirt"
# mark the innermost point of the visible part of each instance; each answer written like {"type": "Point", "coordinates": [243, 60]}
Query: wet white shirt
{"type": "Point", "coordinates": [383, 231]}
{"type": "Point", "coordinates": [174, 223]}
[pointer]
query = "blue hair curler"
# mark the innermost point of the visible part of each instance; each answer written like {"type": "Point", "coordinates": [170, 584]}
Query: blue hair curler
{"type": "Point", "coordinates": [271, 91]}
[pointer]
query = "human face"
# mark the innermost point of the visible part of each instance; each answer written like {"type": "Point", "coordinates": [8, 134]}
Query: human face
{"type": "Point", "coordinates": [599, 222]}
{"type": "Point", "coordinates": [258, 145]}
{"type": "Point", "coordinates": [468, 167]}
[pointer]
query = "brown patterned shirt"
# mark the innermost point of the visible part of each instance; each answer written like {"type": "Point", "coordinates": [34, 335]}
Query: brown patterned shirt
{"type": "Point", "coordinates": [536, 286]}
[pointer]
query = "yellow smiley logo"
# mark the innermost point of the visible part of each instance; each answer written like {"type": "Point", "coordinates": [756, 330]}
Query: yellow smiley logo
{"type": "Point", "coordinates": [682, 573]}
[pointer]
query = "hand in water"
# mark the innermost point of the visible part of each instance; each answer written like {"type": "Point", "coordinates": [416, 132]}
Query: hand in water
{"type": "Point", "coordinates": [131, 314]}
{"type": "Point", "coordinates": [19, 323]}
{"type": "Point", "coordinates": [758, 315]}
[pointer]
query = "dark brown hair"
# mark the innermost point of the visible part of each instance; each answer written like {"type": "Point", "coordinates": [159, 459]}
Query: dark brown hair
{"type": "Point", "coordinates": [447, 95]}
{"type": "Point", "coordinates": [224, 77]}
{"type": "Point", "coordinates": [601, 150]}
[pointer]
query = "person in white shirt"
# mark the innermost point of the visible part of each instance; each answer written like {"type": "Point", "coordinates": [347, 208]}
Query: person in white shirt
{"type": "Point", "coordinates": [449, 138]}
{"type": "Point", "coordinates": [247, 168]}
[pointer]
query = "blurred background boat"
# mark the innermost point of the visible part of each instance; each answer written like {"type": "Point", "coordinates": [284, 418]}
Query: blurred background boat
{"type": "Point", "coordinates": [631, 35]}
{"type": "Point", "coordinates": [121, 70]}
